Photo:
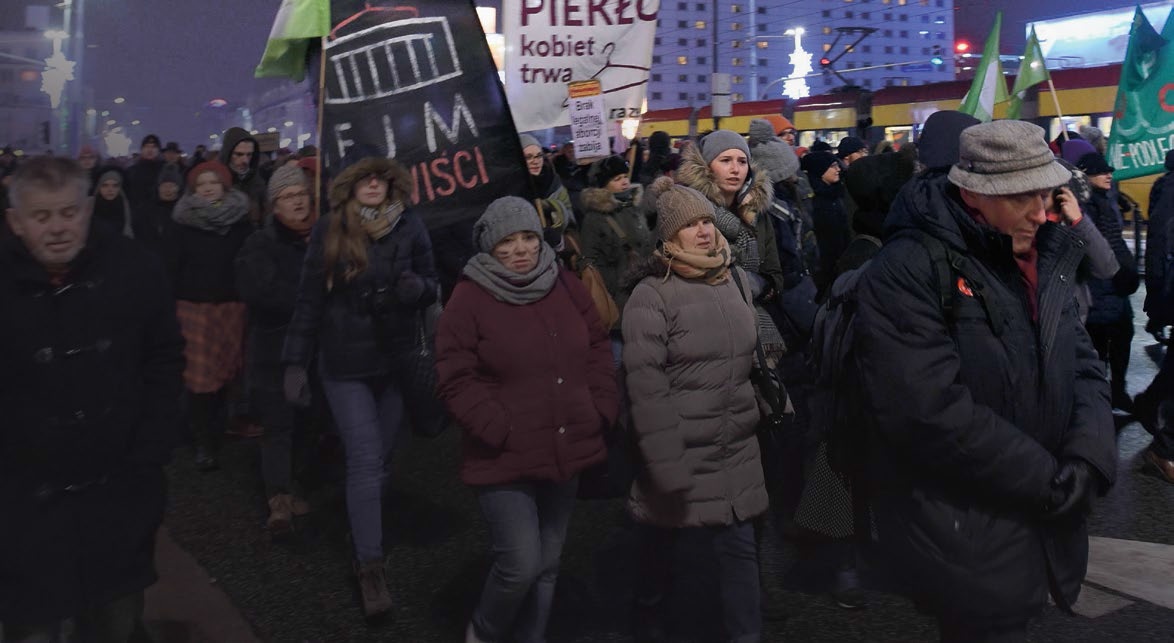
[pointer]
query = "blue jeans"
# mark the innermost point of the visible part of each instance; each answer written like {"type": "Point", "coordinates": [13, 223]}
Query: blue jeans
{"type": "Point", "coordinates": [368, 413]}
{"type": "Point", "coordinates": [527, 527]}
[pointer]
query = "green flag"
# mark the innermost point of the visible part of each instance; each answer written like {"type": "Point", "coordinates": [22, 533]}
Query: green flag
{"type": "Point", "coordinates": [297, 23]}
{"type": "Point", "coordinates": [1143, 115]}
{"type": "Point", "coordinates": [1033, 69]}
{"type": "Point", "coordinates": [989, 86]}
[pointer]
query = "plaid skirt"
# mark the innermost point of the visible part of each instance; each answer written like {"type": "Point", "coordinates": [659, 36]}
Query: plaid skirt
{"type": "Point", "coordinates": [215, 334]}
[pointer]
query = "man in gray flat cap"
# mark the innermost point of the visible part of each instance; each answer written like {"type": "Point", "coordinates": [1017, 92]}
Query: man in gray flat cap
{"type": "Point", "coordinates": [989, 428]}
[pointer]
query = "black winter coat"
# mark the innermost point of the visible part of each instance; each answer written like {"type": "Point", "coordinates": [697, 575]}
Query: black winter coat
{"type": "Point", "coordinates": [832, 227]}
{"type": "Point", "coordinates": [201, 262]}
{"type": "Point", "coordinates": [360, 329]}
{"type": "Point", "coordinates": [268, 268]}
{"type": "Point", "coordinates": [968, 422]}
{"type": "Point", "coordinates": [89, 396]}
{"type": "Point", "coordinates": [1109, 307]}
{"type": "Point", "coordinates": [1157, 247]}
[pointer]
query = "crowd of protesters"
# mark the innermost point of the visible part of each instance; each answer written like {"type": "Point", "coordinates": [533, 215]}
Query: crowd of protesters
{"type": "Point", "coordinates": [641, 307]}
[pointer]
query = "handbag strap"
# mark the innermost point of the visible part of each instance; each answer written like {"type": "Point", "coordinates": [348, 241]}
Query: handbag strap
{"type": "Point", "coordinates": [774, 399]}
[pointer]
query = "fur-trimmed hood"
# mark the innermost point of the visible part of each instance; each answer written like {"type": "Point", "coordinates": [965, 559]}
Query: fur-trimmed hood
{"type": "Point", "coordinates": [695, 173]}
{"type": "Point", "coordinates": [398, 180]}
{"type": "Point", "coordinates": [601, 200]}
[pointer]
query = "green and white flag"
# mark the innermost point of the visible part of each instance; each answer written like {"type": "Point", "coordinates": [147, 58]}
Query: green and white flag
{"type": "Point", "coordinates": [1143, 115]}
{"type": "Point", "coordinates": [989, 86]}
{"type": "Point", "coordinates": [297, 23]}
{"type": "Point", "coordinates": [1033, 70]}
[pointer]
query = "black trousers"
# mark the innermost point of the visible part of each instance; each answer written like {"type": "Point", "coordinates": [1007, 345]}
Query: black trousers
{"type": "Point", "coordinates": [1113, 342]}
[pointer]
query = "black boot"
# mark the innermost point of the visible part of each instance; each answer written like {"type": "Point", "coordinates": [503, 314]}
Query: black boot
{"type": "Point", "coordinates": [207, 415]}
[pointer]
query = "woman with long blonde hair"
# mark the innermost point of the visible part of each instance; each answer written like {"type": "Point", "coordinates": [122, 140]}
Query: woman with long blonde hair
{"type": "Point", "coordinates": [368, 272]}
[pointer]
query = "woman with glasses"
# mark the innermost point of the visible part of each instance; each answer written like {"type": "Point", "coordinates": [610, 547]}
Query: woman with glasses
{"type": "Point", "coordinates": [267, 271]}
{"type": "Point", "coordinates": [557, 214]}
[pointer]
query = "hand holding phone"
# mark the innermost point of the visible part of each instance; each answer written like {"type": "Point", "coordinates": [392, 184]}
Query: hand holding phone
{"type": "Point", "coordinates": [1064, 204]}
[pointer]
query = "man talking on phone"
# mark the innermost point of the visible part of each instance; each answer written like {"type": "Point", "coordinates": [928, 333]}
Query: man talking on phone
{"type": "Point", "coordinates": [990, 431]}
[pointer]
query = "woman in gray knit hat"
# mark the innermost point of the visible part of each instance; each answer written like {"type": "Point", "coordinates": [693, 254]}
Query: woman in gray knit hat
{"type": "Point", "coordinates": [689, 343]}
{"type": "Point", "coordinates": [524, 366]}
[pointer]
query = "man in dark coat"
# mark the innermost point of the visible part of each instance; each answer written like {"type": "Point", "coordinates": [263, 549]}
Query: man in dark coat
{"type": "Point", "coordinates": [90, 363]}
{"type": "Point", "coordinates": [989, 428]}
{"type": "Point", "coordinates": [242, 155]}
{"type": "Point", "coordinates": [143, 177]}
{"type": "Point", "coordinates": [1152, 405]}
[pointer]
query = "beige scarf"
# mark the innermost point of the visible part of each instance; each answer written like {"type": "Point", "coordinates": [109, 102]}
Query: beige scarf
{"type": "Point", "coordinates": [713, 266]}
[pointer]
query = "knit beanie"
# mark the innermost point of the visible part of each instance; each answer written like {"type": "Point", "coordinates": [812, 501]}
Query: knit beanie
{"type": "Point", "coordinates": [821, 146]}
{"type": "Point", "coordinates": [677, 206]}
{"type": "Point", "coordinates": [527, 140]}
{"type": "Point", "coordinates": [1093, 135]}
{"type": "Point", "coordinates": [938, 145]}
{"type": "Point", "coordinates": [660, 143]}
{"type": "Point", "coordinates": [108, 174]}
{"type": "Point", "coordinates": [850, 145]}
{"type": "Point", "coordinates": [606, 169]}
{"type": "Point", "coordinates": [815, 164]}
{"type": "Point", "coordinates": [171, 174]}
{"type": "Point", "coordinates": [719, 141]}
{"type": "Point", "coordinates": [215, 167]}
{"type": "Point", "coordinates": [148, 139]}
{"type": "Point", "coordinates": [503, 217]}
{"type": "Point", "coordinates": [286, 176]}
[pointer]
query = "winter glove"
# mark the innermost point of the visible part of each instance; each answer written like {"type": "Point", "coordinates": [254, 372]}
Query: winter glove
{"type": "Point", "coordinates": [409, 287]}
{"type": "Point", "coordinates": [297, 385]}
{"type": "Point", "coordinates": [1077, 481]}
{"type": "Point", "coordinates": [1126, 281]}
{"type": "Point", "coordinates": [1159, 330]}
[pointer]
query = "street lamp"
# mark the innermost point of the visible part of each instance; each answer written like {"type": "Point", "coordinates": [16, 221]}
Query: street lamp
{"type": "Point", "coordinates": [120, 100]}
{"type": "Point", "coordinates": [58, 70]}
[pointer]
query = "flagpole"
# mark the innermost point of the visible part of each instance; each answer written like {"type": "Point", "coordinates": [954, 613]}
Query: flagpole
{"type": "Point", "coordinates": [1056, 102]}
{"type": "Point", "coordinates": [321, 114]}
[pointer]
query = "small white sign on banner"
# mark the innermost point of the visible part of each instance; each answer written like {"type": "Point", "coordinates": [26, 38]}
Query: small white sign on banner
{"type": "Point", "coordinates": [588, 116]}
{"type": "Point", "coordinates": [555, 42]}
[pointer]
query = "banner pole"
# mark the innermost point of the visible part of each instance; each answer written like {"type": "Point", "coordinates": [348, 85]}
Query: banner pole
{"type": "Point", "coordinates": [1059, 115]}
{"type": "Point", "coordinates": [318, 127]}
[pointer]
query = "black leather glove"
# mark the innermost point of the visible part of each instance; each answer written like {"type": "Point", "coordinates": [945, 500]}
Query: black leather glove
{"type": "Point", "coordinates": [1077, 481]}
{"type": "Point", "coordinates": [296, 385]}
{"type": "Point", "coordinates": [409, 287]}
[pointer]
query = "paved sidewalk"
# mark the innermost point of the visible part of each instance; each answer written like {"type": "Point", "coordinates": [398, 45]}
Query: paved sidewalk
{"type": "Point", "coordinates": [186, 605]}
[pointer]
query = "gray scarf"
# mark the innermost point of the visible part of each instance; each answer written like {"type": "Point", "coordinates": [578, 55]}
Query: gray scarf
{"type": "Point", "coordinates": [508, 286]}
{"type": "Point", "coordinates": [195, 212]}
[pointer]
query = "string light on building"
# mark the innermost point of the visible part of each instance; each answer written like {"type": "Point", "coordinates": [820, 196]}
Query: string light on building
{"type": "Point", "coordinates": [796, 85]}
{"type": "Point", "coordinates": [58, 70]}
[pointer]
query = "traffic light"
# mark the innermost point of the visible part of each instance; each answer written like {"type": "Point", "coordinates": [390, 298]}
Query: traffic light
{"type": "Point", "coordinates": [45, 132]}
{"type": "Point", "coordinates": [961, 47]}
{"type": "Point", "coordinates": [825, 61]}
{"type": "Point", "coordinates": [937, 55]}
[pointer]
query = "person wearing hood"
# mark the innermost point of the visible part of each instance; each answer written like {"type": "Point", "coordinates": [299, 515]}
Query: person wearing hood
{"type": "Point", "coordinates": [210, 226]}
{"type": "Point", "coordinates": [614, 233]}
{"type": "Point", "coordinates": [1110, 318]}
{"type": "Point", "coordinates": [937, 147]}
{"type": "Point", "coordinates": [152, 221]}
{"type": "Point", "coordinates": [557, 214]}
{"type": "Point", "coordinates": [660, 150]}
{"type": "Point", "coordinates": [368, 275]}
{"type": "Point", "coordinates": [112, 208]}
{"type": "Point", "coordinates": [268, 268]}
{"type": "Point", "coordinates": [832, 228]}
{"type": "Point", "coordinates": [689, 345]}
{"type": "Point", "coordinates": [143, 177]}
{"type": "Point", "coordinates": [990, 431]}
{"type": "Point", "coordinates": [524, 366]}
{"type": "Point", "coordinates": [241, 154]}
{"type": "Point", "coordinates": [720, 168]}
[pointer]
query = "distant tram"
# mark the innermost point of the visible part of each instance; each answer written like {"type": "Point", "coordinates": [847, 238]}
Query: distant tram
{"type": "Point", "coordinates": [897, 114]}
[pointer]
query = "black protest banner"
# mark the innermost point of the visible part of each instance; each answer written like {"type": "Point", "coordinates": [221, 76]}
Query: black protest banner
{"type": "Point", "coordinates": [416, 82]}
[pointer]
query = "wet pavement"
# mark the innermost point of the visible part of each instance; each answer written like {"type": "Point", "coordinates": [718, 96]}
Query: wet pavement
{"type": "Point", "coordinates": [227, 573]}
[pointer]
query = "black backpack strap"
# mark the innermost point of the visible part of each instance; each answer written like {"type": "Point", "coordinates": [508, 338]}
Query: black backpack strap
{"type": "Point", "coordinates": [947, 263]}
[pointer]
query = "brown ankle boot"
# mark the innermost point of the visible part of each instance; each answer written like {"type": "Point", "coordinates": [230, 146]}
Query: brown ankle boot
{"type": "Point", "coordinates": [280, 522]}
{"type": "Point", "coordinates": [373, 584]}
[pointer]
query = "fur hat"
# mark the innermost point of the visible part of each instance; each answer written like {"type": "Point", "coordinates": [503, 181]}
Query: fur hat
{"type": "Point", "coordinates": [1006, 157]}
{"type": "Point", "coordinates": [286, 176]}
{"type": "Point", "coordinates": [503, 217]}
{"type": "Point", "coordinates": [938, 145]}
{"type": "Point", "coordinates": [399, 182]}
{"type": "Point", "coordinates": [718, 141]}
{"type": "Point", "coordinates": [606, 169]}
{"type": "Point", "coordinates": [215, 167]}
{"type": "Point", "coordinates": [677, 206]}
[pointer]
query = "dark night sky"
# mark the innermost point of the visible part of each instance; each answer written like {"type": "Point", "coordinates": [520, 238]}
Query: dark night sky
{"type": "Point", "coordinates": [168, 58]}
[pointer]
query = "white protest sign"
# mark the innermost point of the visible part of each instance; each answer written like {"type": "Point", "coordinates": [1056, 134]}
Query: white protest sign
{"type": "Point", "coordinates": [556, 42]}
{"type": "Point", "coordinates": [585, 103]}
